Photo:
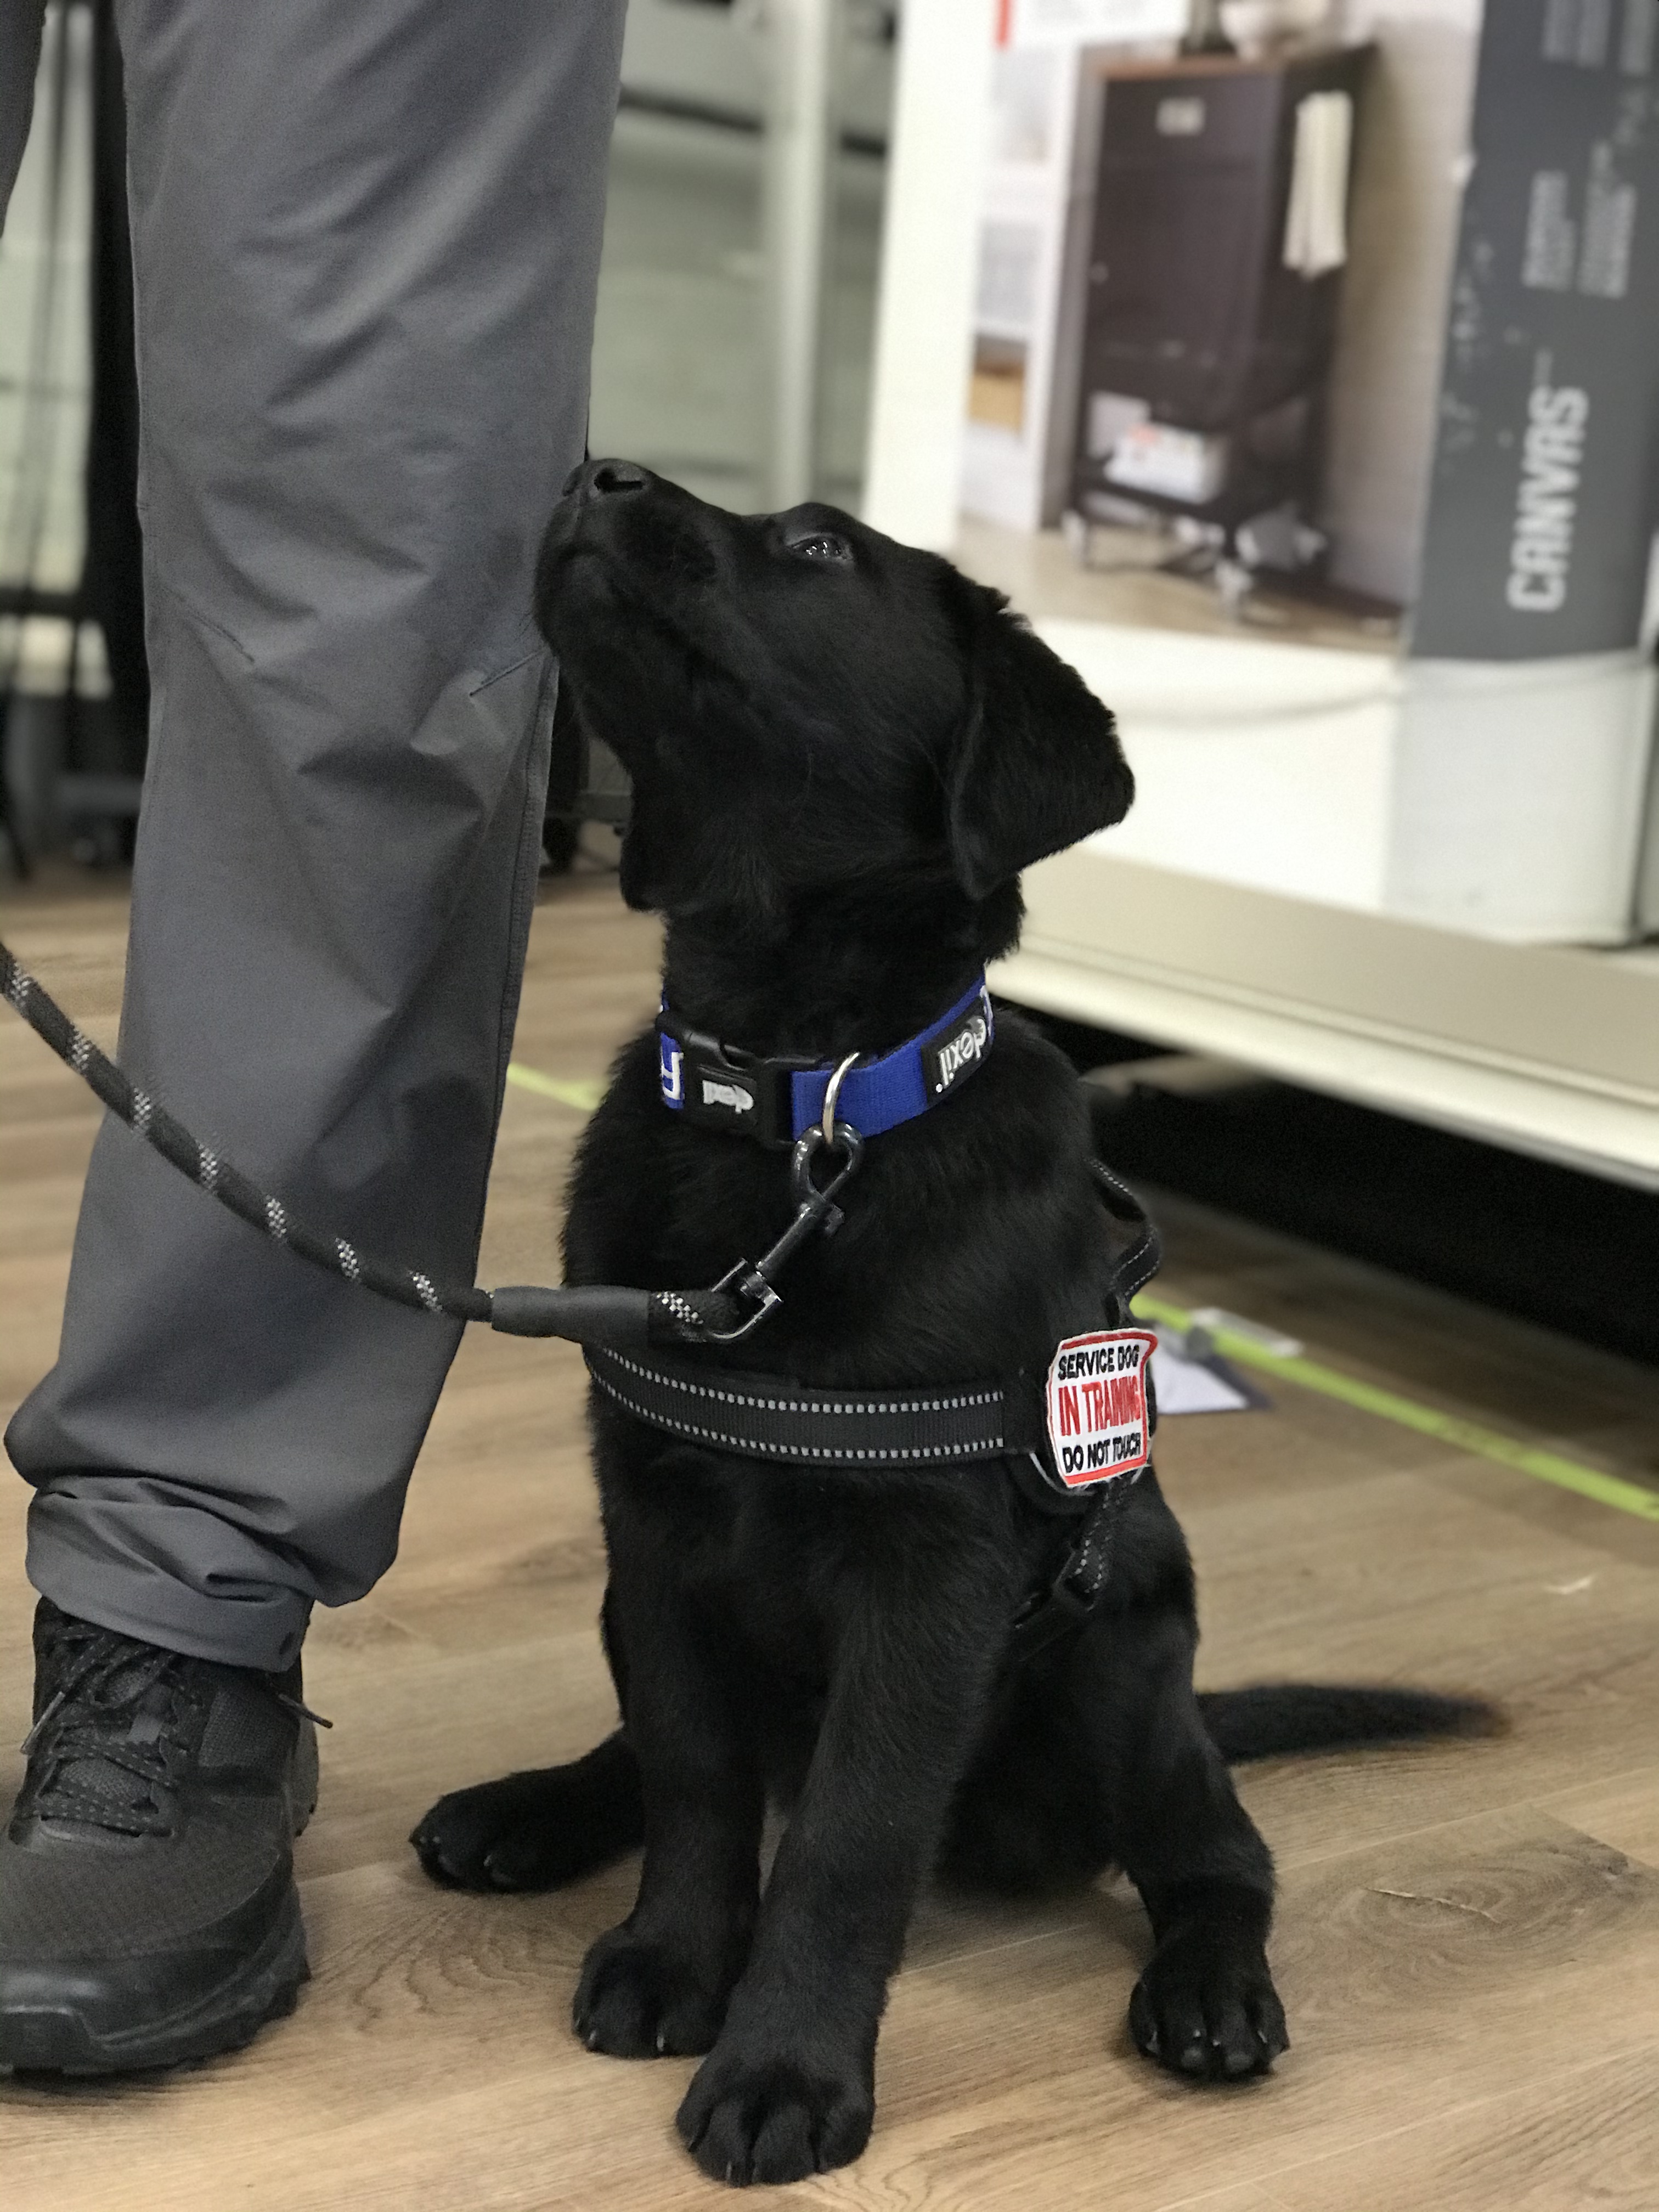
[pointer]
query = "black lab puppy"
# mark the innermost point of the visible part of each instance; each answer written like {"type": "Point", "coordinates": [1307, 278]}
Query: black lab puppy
{"type": "Point", "coordinates": [843, 752]}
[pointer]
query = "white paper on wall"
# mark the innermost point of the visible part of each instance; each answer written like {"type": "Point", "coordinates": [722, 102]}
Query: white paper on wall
{"type": "Point", "coordinates": [1026, 90]}
{"type": "Point", "coordinates": [1010, 257]}
{"type": "Point", "coordinates": [1316, 222]}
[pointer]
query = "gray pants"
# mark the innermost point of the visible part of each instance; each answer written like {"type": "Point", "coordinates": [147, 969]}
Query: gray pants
{"type": "Point", "coordinates": [366, 238]}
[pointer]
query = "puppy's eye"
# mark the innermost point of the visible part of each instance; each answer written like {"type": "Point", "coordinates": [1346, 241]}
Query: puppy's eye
{"type": "Point", "coordinates": [824, 546]}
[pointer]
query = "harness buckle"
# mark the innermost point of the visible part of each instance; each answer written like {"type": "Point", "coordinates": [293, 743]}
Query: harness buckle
{"type": "Point", "coordinates": [1077, 1589]}
{"type": "Point", "coordinates": [1052, 1614]}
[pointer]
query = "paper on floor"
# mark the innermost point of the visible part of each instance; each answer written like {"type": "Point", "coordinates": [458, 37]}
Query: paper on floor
{"type": "Point", "coordinates": [1187, 1382]}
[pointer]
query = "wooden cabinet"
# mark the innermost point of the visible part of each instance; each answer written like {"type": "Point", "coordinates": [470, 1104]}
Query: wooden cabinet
{"type": "Point", "coordinates": [1200, 318]}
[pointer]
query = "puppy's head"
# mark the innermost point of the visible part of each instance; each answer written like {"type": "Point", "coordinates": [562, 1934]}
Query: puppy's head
{"type": "Point", "coordinates": [805, 705]}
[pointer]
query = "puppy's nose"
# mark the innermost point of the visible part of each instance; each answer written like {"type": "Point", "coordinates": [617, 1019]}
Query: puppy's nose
{"type": "Point", "coordinates": [601, 479]}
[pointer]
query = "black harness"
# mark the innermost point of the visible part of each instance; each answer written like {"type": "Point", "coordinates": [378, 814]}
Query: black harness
{"type": "Point", "coordinates": [632, 1339]}
{"type": "Point", "coordinates": [945, 1430]}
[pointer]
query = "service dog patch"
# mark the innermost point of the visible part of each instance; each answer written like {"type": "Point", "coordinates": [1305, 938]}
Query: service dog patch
{"type": "Point", "coordinates": [1096, 1406]}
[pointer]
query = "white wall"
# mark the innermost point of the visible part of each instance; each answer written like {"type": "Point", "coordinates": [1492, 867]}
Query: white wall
{"type": "Point", "coordinates": [930, 255]}
{"type": "Point", "coordinates": [1256, 763]}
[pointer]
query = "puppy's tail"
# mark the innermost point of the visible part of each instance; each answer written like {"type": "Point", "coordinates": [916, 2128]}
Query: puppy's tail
{"type": "Point", "coordinates": [1269, 1720]}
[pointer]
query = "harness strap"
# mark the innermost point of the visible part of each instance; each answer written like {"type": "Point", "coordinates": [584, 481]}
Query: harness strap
{"type": "Point", "coordinates": [938, 1424]}
{"type": "Point", "coordinates": [871, 1432]}
{"type": "Point", "coordinates": [1134, 1268]}
{"type": "Point", "coordinates": [1078, 1589]}
{"type": "Point", "coordinates": [871, 1436]}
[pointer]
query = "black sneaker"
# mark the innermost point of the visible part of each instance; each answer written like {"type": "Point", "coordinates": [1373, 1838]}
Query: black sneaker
{"type": "Point", "coordinates": [147, 1911]}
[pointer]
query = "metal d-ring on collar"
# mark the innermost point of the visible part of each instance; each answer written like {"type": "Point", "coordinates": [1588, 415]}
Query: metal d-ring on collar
{"type": "Point", "coordinates": [827, 1124]}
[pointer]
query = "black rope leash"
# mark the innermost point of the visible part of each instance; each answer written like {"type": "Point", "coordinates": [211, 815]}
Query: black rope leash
{"type": "Point", "coordinates": [621, 1318]}
{"type": "Point", "coordinates": [149, 1120]}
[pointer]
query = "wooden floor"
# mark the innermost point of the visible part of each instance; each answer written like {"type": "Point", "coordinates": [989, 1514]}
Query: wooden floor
{"type": "Point", "coordinates": [1469, 1935]}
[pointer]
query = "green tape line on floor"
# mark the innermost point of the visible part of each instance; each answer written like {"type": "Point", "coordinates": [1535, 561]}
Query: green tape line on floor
{"type": "Point", "coordinates": [1446, 1428]}
{"type": "Point", "coordinates": [584, 1094]}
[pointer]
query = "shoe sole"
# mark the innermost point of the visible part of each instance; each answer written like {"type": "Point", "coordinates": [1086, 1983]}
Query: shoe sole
{"type": "Point", "coordinates": [58, 2040]}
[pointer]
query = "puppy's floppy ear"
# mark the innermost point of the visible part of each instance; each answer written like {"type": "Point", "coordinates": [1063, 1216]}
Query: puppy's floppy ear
{"type": "Point", "coordinates": [655, 850]}
{"type": "Point", "coordinates": [642, 872]}
{"type": "Point", "coordinates": [675, 860]}
{"type": "Point", "coordinates": [1037, 763]}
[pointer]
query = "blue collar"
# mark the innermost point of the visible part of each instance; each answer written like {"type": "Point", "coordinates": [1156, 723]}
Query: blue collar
{"type": "Point", "coordinates": [775, 1101]}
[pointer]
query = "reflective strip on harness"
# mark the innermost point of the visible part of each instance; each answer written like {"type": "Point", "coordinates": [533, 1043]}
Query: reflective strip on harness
{"type": "Point", "coordinates": [767, 1417]}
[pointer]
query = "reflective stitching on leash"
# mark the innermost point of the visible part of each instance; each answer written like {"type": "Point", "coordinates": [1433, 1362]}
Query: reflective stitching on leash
{"type": "Point", "coordinates": [428, 1295]}
{"type": "Point", "coordinates": [143, 1107]}
{"type": "Point", "coordinates": [350, 1265]}
{"type": "Point", "coordinates": [207, 1168]}
{"type": "Point", "coordinates": [276, 1220]}
{"type": "Point", "coordinates": [79, 1051]}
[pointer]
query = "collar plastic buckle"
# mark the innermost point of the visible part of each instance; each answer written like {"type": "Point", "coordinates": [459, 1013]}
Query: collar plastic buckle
{"type": "Point", "coordinates": [716, 1089]}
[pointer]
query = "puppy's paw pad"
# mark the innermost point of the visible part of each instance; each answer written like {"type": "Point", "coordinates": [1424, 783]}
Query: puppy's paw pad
{"type": "Point", "coordinates": [636, 2000]}
{"type": "Point", "coordinates": [770, 2121]}
{"type": "Point", "coordinates": [518, 1834]}
{"type": "Point", "coordinates": [1212, 2020]}
{"type": "Point", "coordinates": [484, 1838]}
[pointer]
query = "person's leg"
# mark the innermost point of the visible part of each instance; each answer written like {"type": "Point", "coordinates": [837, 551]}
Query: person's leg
{"type": "Point", "coordinates": [19, 57]}
{"type": "Point", "coordinates": [365, 243]}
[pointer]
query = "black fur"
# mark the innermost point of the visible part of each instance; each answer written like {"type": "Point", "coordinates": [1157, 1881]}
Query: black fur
{"type": "Point", "coordinates": [1270, 1720]}
{"type": "Point", "coordinates": [843, 754]}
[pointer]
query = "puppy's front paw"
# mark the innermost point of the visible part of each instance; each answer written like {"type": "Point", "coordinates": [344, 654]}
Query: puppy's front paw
{"type": "Point", "coordinates": [750, 2118]}
{"type": "Point", "coordinates": [1207, 2011]}
{"type": "Point", "coordinates": [639, 2000]}
{"type": "Point", "coordinates": [536, 1830]}
{"type": "Point", "coordinates": [502, 1835]}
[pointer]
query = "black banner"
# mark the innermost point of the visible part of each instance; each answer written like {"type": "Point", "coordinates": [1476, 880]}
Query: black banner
{"type": "Point", "coordinates": [1545, 487]}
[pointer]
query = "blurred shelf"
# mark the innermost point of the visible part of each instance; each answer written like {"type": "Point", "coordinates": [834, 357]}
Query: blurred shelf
{"type": "Point", "coordinates": [1549, 1049]}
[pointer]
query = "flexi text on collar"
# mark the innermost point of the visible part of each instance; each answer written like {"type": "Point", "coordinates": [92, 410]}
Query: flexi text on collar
{"type": "Point", "coordinates": [777, 1100]}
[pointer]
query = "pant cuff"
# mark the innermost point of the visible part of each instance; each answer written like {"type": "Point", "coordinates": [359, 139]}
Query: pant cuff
{"type": "Point", "coordinates": [101, 1573]}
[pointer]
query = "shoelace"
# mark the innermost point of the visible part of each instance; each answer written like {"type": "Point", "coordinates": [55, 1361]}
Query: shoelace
{"type": "Point", "coordinates": [93, 1718]}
